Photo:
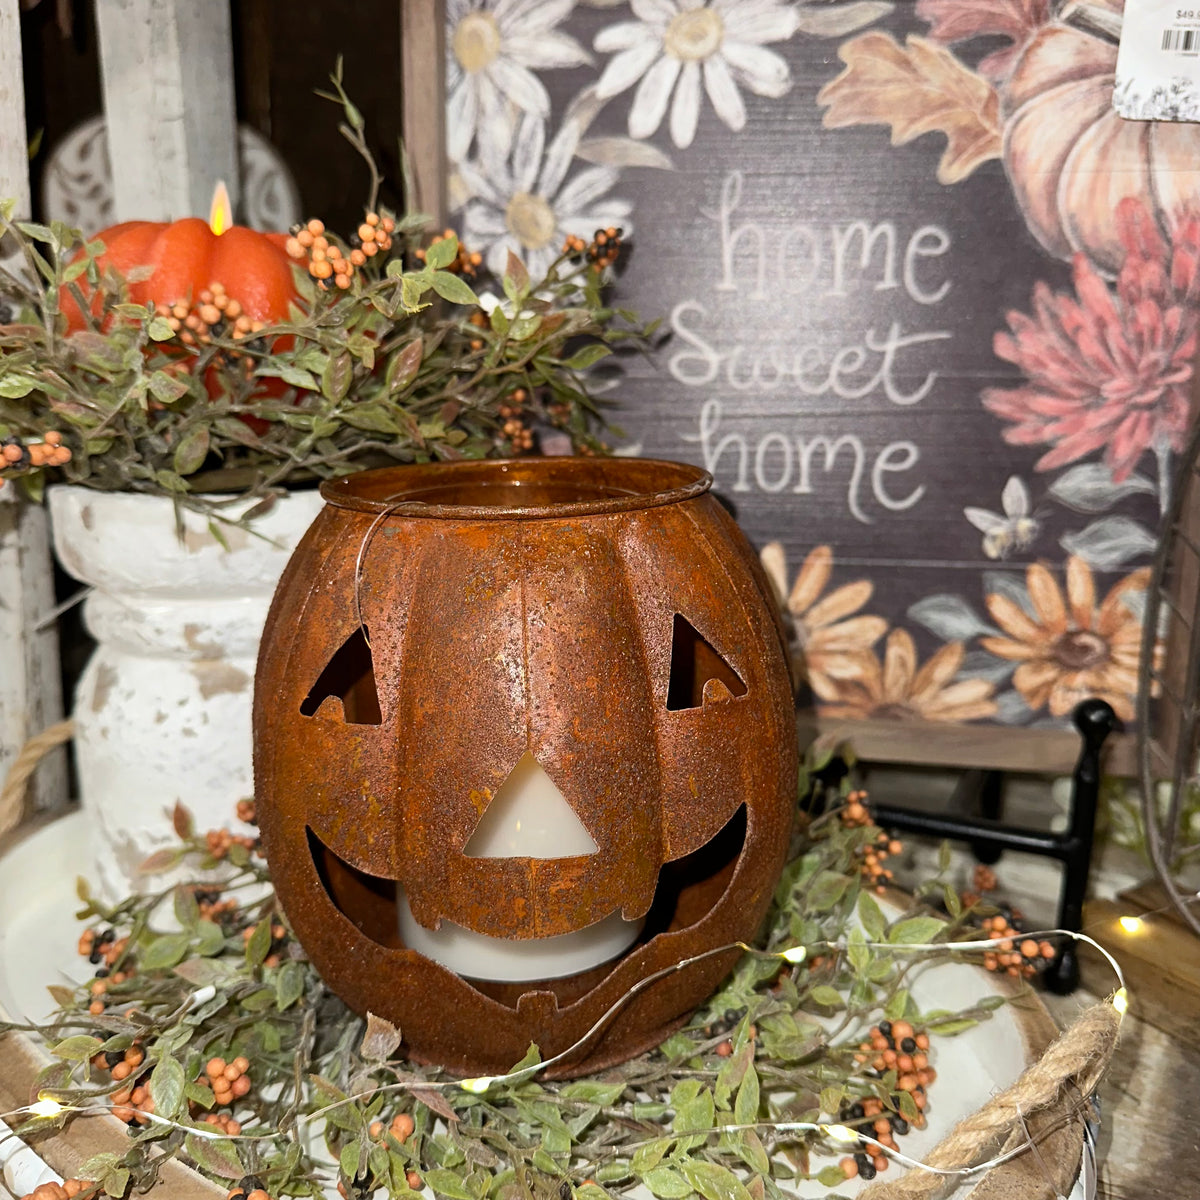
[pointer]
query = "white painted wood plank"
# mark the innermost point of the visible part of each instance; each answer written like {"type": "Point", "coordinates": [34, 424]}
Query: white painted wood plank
{"type": "Point", "coordinates": [30, 687]}
{"type": "Point", "coordinates": [167, 72]}
{"type": "Point", "coordinates": [14, 149]}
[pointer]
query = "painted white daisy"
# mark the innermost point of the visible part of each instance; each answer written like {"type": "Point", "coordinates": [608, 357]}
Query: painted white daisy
{"type": "Point", "coordinates": [674, 45]}
{"type": "Point", "coordinates": [525, 203]}
{"type": "Point", "coordinates": [493, 48]}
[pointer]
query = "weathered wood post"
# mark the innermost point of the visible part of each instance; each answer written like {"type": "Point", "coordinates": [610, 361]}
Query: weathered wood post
{"type": "Point", "coordinates": [30, 687]}
{"type": "Point", "coordinates": [167, 72]}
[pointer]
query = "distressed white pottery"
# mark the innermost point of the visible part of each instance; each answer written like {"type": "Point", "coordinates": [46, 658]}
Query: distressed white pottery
{"type": "Point", "coordinates": [162, 711]}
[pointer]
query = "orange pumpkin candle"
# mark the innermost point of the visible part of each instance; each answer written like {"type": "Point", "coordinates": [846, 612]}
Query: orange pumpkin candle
{"type": "Point", "coordinates": [185, 257]}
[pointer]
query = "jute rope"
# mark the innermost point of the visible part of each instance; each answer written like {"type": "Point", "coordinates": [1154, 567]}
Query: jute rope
{"type": "Point", "coordinates": [1070, 1068]}
{"type": "Point", "coordinates": [12, 794]}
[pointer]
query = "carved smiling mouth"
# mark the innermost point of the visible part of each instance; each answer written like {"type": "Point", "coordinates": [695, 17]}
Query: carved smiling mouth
{"type": "Point", "coordinates": [687, 891]}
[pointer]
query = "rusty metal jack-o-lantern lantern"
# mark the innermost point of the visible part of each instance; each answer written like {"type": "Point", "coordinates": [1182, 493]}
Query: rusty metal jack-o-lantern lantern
{"type": "Point", "coordinates": [523, 738]}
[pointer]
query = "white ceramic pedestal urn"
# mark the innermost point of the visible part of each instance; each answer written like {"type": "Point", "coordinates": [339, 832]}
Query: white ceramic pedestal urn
{"type": "Point", "coordinates": [162, 711]}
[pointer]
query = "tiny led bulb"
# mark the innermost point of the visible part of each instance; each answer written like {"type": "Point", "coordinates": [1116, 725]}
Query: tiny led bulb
{"type": "Point", "coordinates": [478, 1085]}
{"type": "Point", "coordinates": [840, 1133]}
{"type": "Point", "coordinates": [1131, 924]}
{"type": "Point", "coordinates": [46, 1107]}
{"type": "Point", "coordinates": [795, 954]}
{"type": "Point", "coordinates": [1120, 1001]}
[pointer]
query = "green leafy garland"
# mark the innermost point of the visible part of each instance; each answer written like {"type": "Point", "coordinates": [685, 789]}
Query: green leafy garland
{"type": "Point", "coordinates": [402, 364]}
{"type": "Point", "coordinates": [327, 1098]}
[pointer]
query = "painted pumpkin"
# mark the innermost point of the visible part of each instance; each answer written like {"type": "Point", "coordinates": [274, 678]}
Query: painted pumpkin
{"type": "Point", "coordinates": [602, 625]}
{"type": "Point", "coordinates": [1072, 159]}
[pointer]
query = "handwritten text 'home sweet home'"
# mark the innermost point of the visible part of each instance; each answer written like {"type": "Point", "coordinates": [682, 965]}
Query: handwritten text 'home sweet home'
{"type": "Point", "coordinates": [831, 262]}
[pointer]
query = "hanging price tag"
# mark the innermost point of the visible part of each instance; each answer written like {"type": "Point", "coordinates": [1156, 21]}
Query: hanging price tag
{"type": "Point", "coordinates": [1158, 63]}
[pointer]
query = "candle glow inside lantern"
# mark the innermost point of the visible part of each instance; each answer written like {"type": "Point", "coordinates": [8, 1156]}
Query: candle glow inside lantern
{"type": "Point", "coordinates": [524, 737]}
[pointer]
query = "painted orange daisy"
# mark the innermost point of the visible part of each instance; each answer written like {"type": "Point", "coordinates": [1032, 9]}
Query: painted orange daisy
{"type": "Point", "coordinates": [897, 689]}
{"type": "Point", "coordinates": [829, 642]}
{"type": "Point", "coordinates": [1068, 649]}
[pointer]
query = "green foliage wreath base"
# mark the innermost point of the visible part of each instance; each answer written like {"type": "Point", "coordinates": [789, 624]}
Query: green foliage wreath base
{"type": "Point", "coordinates": [682, 1120]}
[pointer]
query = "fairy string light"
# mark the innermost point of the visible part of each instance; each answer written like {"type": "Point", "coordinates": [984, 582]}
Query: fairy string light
{"type": "Point", "coordinates": [835, 1134]}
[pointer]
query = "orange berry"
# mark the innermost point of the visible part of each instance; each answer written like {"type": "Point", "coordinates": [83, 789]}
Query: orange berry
{"type": "Point", "coordinates": [725, 1049]}
{"type": "Point", "coordinates": [366, 232]}
{"type": "Point", "coordinates": [215, 1067]}
{"type": "Point", "coordinates": [388, 224]}
{"type": "Point", "coordinates": [414, 1181]}
{"type": "Point", "coordinates": [370, 249]}
{"type": "Point", "coordinates": [880, 1162]}
{"type": "Point", "coordinates": [315, 227]}
{"type": "Point", "coordinates": [375, 1128]}
{"type": "Point", "coordinates": [357, 257]}
{"type": "Point", "coordinates": [96, 1008]}
{"type": "Point", "coordinates": [242, 1063]}
{"type": "Point", "coordinates": [849, 1167]}
{"type": "Point", "coordinates": [402, 1127]}
{"type": "Point", "coordinates": [122, 1071]}
{"type": "Point", "coordinates": [342, 280]}
{"type": "Point", "coordinates": [258, 1194]}
{"type": "Point", "coordinates": [322, 270]}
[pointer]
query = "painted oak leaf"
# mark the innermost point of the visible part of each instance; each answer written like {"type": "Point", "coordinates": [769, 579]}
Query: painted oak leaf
{"type": "Point", "coordinates": [916, 88]}
{"type": "Point", "coordinates": [960, 20]}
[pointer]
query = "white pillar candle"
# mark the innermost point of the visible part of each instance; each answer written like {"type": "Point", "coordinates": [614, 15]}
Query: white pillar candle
{"type": "Point", "coordinates": [527, 818]}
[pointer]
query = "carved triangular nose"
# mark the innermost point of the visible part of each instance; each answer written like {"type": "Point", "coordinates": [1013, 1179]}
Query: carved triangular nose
{"type": "Point", "coordinates": [529, 818]}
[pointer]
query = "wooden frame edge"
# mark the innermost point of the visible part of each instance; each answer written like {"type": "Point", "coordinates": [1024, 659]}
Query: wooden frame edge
{"type": "Point", "coordinates": [961, 746]}
{"type": "Point", "coordinates": [423, 91]}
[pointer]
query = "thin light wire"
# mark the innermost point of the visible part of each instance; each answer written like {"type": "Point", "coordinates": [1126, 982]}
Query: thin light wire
{"type": "Point", "coordinates": [394, 506]}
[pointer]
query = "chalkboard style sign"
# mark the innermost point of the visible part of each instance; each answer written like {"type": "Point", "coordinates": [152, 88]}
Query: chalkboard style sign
{"type": "Point", "coordinates": [931, 306]}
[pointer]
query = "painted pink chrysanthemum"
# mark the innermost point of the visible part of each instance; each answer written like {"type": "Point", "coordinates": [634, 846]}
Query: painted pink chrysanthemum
{"type": "Point", "coordinates": [1110, 368]}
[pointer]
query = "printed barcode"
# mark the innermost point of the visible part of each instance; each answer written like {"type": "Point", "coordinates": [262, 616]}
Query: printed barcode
{"type": "Point", "coordinates": [1181, 39]}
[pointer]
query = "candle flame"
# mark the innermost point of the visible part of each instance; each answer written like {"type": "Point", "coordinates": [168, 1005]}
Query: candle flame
{"type": "Point", "coordinates": [220, 215]}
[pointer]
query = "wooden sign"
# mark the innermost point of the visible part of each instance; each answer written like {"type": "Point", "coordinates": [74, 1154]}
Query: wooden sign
{"type": "Point", "coordinates": [930, 313]}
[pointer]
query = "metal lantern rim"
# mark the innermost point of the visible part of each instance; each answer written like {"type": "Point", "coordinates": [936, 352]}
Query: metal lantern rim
{"type": "Point", "coordinates": [600, 486]}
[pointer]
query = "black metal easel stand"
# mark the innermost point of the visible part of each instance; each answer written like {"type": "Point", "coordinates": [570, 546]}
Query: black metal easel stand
{"type": "Point", "coordinates": [1095, 720]}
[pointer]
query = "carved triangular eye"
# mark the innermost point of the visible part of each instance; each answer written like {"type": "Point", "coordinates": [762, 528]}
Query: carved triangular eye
{"type": "Point", "coordinates": [698, 673]}
{"type": "Point", "coordinates": [529, 818]}
{"type": "Point", "coordinates": [346, 688]}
